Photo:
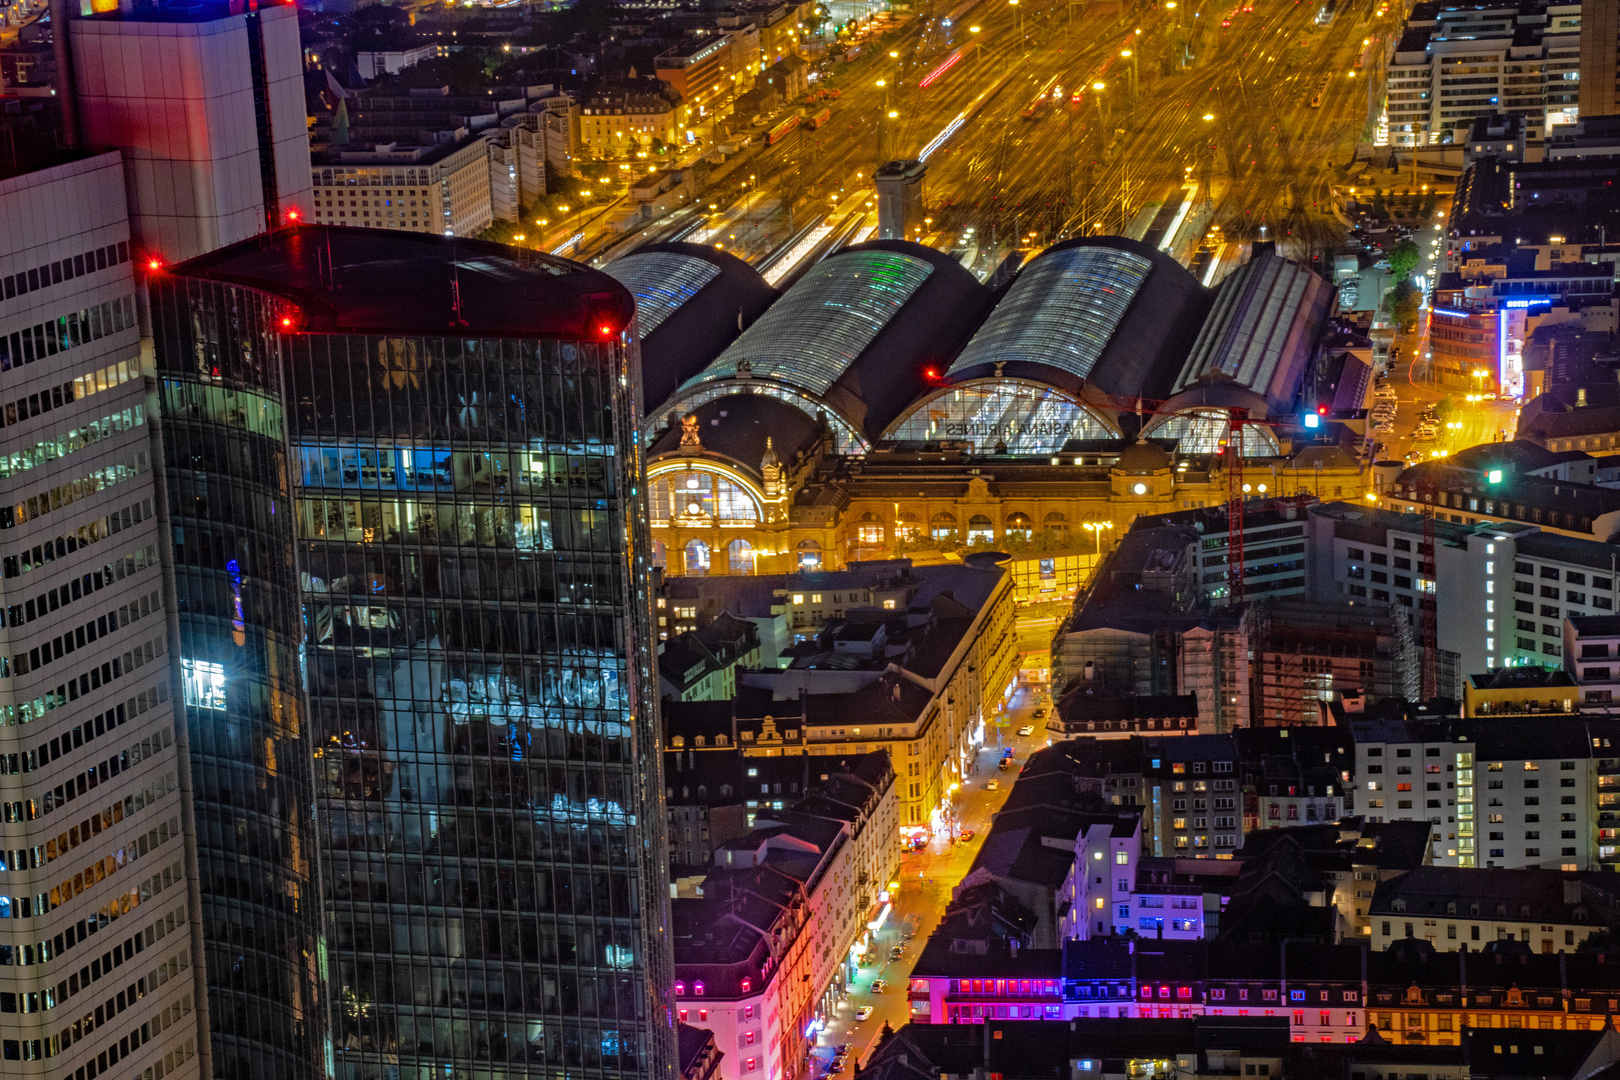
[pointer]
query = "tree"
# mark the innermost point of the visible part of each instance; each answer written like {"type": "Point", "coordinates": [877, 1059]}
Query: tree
{"type": "Point", "coordinates": [1403, 259]}
{"type": "Point", "coordinates": [1402, 303]}
{"type": "Point", "coordinates": [501, 232]}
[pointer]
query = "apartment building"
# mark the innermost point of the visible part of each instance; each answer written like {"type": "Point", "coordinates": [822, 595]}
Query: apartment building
{"type": "Point", "coordinates": [1502, 585]}
{"type": "Point", "coordinates": [763, 946]}
{"type": "Point", "coordinates": [710, 69]}
{"type": "Point", "coordinates": [1592, 660]}
{"type": "Point", "coordinates": [1453, 910]}
{"type": "Point", "coordinates": [624, 121]}
{"type": "Point", "coordinates": [1494, 794]}
{"type": "Point", "coordinates": [919, 678]}
{"type": "Point", "coordinates": [1456, 62]}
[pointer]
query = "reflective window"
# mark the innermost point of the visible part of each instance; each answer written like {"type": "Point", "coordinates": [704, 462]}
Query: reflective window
{"type": "Point", "coordinates": [943, 526]}
{"type": "Point", "coordinates": [661, 281]}
{"type": "Point", "coordinates": [1028, 417]}
{"type": "Point", "coordinates": [1061, 311]}
{"type": "Point", "coordinates": [809, 554]}
{"type": "Point", "coordinates": [1018, 527]}
{"type": "Point", "coordinates": [980, 530]}
{"type": "Point", "coordinates": [740, 556]}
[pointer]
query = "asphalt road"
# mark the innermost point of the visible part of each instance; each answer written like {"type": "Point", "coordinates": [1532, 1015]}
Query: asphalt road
{"type": "Point", "coordinates": [926, 879]}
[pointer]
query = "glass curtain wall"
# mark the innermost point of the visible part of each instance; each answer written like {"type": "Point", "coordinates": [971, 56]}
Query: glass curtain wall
{"type": "Point", "coordinates": [477, 659]}
{"type": "Point", "coordinates": [249, 751]}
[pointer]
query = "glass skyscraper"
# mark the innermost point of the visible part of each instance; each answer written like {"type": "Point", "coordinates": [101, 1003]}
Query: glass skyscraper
{"type": "Point", "coordinates": [412, 577]}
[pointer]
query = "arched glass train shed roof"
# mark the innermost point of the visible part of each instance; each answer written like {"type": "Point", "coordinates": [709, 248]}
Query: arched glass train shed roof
{"type": "Point", "coordinates": [853, 337]}
{"type": "Point", "coordinates": [1267, 318]}
{"type": "Point", "coordinates": [692, 301]}
{"type": "Point", "coordinates": [1103, 311]}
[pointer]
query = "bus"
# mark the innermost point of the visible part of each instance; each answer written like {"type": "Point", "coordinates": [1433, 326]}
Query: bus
{"type": "Point", "coordinates": [780, 131]}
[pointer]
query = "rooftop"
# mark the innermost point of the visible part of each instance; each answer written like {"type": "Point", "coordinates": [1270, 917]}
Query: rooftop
{"type": "Point", "coordinates": [349, 280]}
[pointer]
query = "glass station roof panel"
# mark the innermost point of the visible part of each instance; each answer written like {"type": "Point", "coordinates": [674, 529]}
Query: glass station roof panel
{"type": "Point", "coordinates": [661, 281]}
{"type": "Point", "coordinates": [1062, 311]}
{"type": "Point", "coordinates": [812, 335]}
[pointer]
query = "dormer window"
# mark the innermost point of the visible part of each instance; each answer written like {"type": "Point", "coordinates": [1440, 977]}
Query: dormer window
{"type": "Point", "coordinates": [678, 742]}
{"type": "Point", "coordinates": [680, 988]}
{"type": "Point", "coordinates": [747, 985]}
{"type": "Point", "coordinates": [697, 988]}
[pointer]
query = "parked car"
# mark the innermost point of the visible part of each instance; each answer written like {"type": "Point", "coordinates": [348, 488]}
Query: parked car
{"type": "Point", "coordinates": [863, 1012]}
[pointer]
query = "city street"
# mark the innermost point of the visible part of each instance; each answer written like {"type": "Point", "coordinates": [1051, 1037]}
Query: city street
{"type": "Point", "coordinates": [1469, 424]}
{"type": "Point", "coordinates": [926, 880]}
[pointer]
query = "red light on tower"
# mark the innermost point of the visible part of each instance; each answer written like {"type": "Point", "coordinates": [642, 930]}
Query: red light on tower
{"type": "Point", "coordinates": [1321, 410]}
{"type": "Point", "coordinates": [154, 264]}
{"type": "Point", "coordinates": [605, 329]}
{"type": "Point", "coordinates": [293, 216]}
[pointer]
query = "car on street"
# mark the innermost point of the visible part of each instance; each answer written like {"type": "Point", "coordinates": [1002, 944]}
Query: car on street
{"type": "Point", "coordinates": [1004, 764]}
{"type": "Point", "coordinates": [964, 836]}
{"type": "Point", "coordinates": [992, 785]}
{"type": "Point", "coordinates": [878, 985]}
{"type": "Point", "coordinates": [896, 952]}
{"type": "Point", "coordinates": [1027, 729]}
{"type": "Point", "coordinates": [1040, 714]}
{"type": "Point", "coordinates": [863, 1012]}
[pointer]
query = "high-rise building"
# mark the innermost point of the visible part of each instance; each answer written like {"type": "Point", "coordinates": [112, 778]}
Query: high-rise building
{"type": "Point", "coordinates": [97, 917]}
{"type": "Point", "coordinates": [206, 101]}
{"type": "Point", "coordinates": [410, 547]}
{"type": "Point", "coordinates": [1455, 63]}
{"type": "Point", "coordinates": [1600, 51]}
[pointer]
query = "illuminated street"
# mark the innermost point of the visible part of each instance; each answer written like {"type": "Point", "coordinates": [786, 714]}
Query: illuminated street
{"type": "Point", "coordinates": [926, 880]}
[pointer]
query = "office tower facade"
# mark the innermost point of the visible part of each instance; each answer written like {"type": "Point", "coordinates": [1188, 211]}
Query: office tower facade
{"type": "Point", "coordinates": [97, 921]}
{"type": "Point", "coordinates": [449, 453]}
{"type": "Point", "coordinates": [206, 102]}
{"type": "Point", "coordinates": [1600, 57]}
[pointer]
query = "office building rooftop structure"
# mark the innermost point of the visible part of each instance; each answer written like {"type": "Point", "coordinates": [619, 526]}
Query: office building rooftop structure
{"type": "Point", "coordinates": [408, 535]}
{"type": "Point", "coordinates": [206, 103]}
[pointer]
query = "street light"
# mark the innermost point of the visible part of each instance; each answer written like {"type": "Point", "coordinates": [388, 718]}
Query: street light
{"type": "Point", "coordinates": [1095, 528]}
